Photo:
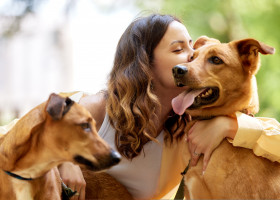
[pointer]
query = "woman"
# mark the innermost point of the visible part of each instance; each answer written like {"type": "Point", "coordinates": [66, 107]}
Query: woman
{"type": "Point", "coordinates": [134, 115]}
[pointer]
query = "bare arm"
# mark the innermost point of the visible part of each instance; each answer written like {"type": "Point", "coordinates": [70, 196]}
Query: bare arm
{"type": "Point", "coordinates": [96, 105]}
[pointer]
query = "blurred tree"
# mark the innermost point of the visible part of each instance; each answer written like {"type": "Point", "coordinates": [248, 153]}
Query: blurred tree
{"type": "Point", "coordinates": [237, 19]}
{"type": "Point", "coordinates": [15, 11]}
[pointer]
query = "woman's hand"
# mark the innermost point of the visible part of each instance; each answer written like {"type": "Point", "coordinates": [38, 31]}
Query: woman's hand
{"type": "Point", "coordinates": [206, 135]}
{"type": "Point", "coordinates": [72, 176]}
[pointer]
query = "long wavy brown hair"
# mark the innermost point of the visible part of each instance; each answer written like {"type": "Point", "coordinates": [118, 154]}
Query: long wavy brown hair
{"type": "Point", "coordinates": [131, 103]}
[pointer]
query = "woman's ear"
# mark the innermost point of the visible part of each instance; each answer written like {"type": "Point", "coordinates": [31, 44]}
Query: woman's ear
{"type": "Point", "coordinates": [203, 40]}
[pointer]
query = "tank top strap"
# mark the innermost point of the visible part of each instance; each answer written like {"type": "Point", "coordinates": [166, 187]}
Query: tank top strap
{"type": "Point", "coordinates": [105, 127]}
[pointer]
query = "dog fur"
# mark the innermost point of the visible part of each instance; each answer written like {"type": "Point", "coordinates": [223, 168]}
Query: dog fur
{"type": "Point", "coordinates": [56, 131]}
{"type": "Point", "coordinates": [104, 186]}
{"type": "Point", "coordinates": [232, 172]}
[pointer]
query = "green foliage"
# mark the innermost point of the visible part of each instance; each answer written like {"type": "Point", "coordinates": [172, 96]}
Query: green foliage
{"type": "Point", "coordinates": [236, 19]}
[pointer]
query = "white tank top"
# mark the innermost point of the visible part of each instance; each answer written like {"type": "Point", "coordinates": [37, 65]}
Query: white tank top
{"type": "Point", "coordinates": [141, 175]}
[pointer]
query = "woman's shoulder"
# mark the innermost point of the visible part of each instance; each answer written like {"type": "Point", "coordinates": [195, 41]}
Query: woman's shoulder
{"type": "Point", "coordinates": [96, 105]}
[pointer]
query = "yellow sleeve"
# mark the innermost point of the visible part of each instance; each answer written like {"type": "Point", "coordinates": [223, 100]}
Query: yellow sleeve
{"type": "Point", "coordinates": [260, 134]}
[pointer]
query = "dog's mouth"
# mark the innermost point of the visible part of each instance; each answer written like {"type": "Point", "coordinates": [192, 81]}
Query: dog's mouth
{"type": "Point", "coordinates": [104, 162]}
{"type": "Point", "coordinates": [194, 99]}
{"type": "Point", "coordinates": [208, 96]}
{"type": "Point", "coordinates": [83, 161]}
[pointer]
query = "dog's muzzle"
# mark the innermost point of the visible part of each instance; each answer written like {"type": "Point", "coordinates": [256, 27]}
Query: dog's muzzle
{"type": "Point", "coordinates": [178, 73]}
{"type": "Point", "coordinates": [103, 161]}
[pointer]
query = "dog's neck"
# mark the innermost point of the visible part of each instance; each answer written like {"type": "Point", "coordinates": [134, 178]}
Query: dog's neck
{"type": "Point", "coordinates": [35, 171]}
{"type": "Point", "coordinates": [27, 159]}
{"type": "Point", "coordinates": [36, 162]}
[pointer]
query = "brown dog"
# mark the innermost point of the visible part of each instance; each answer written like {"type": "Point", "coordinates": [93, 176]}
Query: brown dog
{"type": "Point", "coordinates": [221, 81]}
{"type": "Point", "coordinates": [56, 131]}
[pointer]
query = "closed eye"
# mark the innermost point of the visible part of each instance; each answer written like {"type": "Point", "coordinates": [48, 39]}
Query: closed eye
{"type": "Point", "coordinates": [177, 50]}
{"type": "Point", "coordinates": [216, 60]}
{"type": "Point", "coordinates": [86, 127]}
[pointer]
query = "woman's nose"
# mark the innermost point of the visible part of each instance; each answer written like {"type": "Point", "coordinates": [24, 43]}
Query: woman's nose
{"type": "Point", "coordinates": [190, 56]}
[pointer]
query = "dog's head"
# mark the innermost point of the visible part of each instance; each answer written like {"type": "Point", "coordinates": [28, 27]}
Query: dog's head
{"type": "Point", "coordinates": [55, 131]}
{"type": "Point", "coordinates": [220, 79]}
{"type": "Point", "coordinates": [72, 133]}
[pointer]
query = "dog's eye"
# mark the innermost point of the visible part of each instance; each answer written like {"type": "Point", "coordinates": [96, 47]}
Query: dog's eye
{"type": "Point", "coordinates": [86, 126]}
{"type": "Point", "coordinates": [215, 60]}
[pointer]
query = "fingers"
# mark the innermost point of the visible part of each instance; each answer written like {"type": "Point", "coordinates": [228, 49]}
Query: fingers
{"type": "Point", "coordinates": [82, 185]}
{"type": "Point", "coordinates": [82, 194]}
{"type": "Point", "coordinates": [188, 135]}
{"type": "Point", "coordinates": [205, 162]}
{"type": "Point", "coordinates": [191, 130]}
{"type": "Point", "coordinates": [77, 195]}
{"type": "Point", "coordinates": [72, 186]}
{"type": "Point", "coordinates": [206, 135]}
{"type": "Point", "coordinates": [195, 157]}
{"type": "Point", "coordinates": [73, 178]}
{"type": "Point", "coordinates": [79, 187]}
{"type": "Point", "coordinates": [193, 148]}
{"type": "Point", "coordinates": [195, 153]}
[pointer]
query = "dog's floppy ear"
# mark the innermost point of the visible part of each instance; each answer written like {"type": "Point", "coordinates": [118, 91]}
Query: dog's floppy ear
{"type": "Point", "coordinates": [57, 106]}
{"type": "Point", "coordinates": [203, 40]}
{"type": "Point", "coordinates": [248, 50]}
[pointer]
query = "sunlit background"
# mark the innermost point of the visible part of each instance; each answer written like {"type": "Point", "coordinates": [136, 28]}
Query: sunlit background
{"type": "Point", "coordinates": [68, 45]}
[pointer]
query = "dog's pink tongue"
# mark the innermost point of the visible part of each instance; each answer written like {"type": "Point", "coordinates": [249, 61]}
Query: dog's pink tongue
{"type": "Point", "coordinates": [184, 100]}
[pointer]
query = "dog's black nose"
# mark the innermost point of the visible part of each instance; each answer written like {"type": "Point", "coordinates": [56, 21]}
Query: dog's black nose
{"type": "Point", "coordinates": [179, 71]}
{"type": "Point", "coordinates": [116, 157]}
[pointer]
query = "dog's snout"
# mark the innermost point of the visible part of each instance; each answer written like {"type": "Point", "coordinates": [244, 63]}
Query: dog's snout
{"type": "Point", "coordinates": [179, 71]}
{"type": "Point", "coordinates": [116, 157]}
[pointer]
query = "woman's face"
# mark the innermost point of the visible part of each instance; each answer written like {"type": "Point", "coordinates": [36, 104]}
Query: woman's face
{"type": "Point", "coordinates": [174, 48]}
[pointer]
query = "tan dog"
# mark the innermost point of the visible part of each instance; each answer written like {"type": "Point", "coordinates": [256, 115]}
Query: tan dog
{"type": "Point", "coordinates": [56, 131]}
{"type": "Point", "coordinates": [221, 81]}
